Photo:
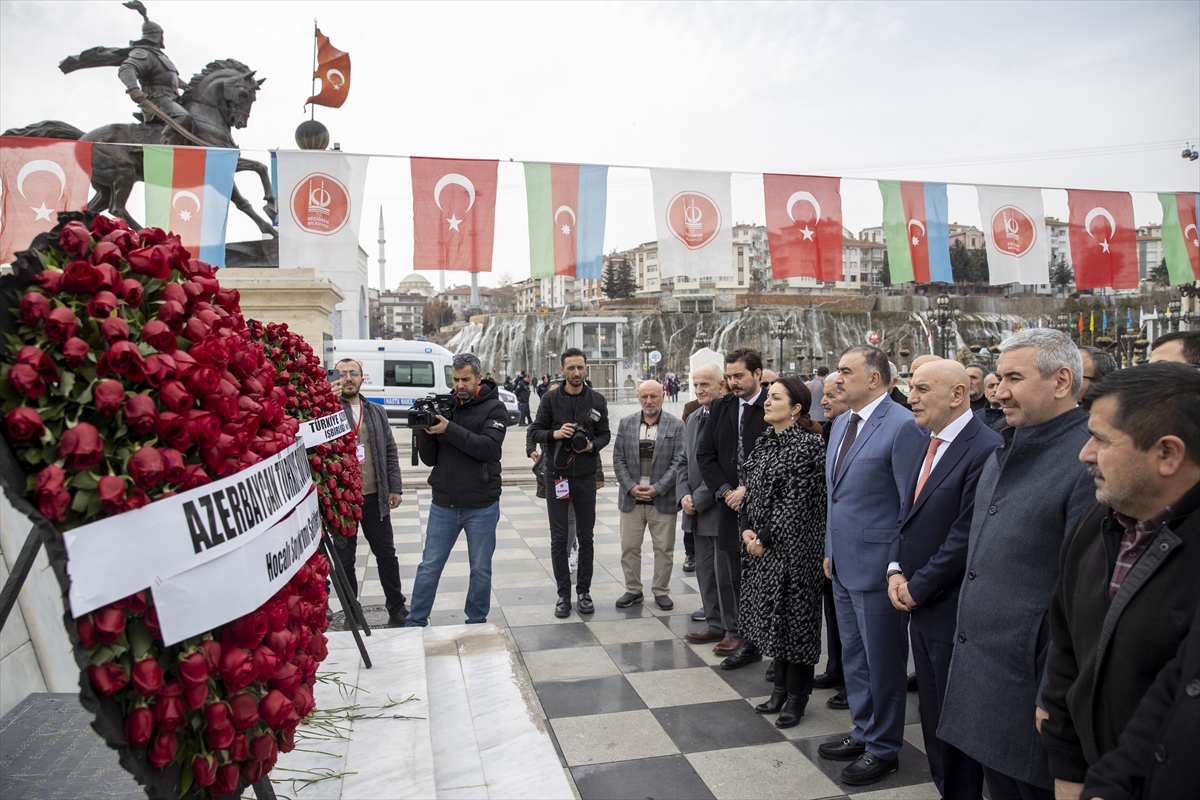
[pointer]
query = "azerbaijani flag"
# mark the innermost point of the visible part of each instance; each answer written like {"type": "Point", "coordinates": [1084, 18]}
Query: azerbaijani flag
{"type": "Point", "coordinates": [187, 192]}
{"type": "Point", "coordinates": [915, 221]}
{"type": "Point", "coordinates": [567, 206]}
{"type": "Point", "coordinates": [1180, 238]}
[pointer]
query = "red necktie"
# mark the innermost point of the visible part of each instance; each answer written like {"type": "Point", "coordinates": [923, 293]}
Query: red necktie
{"type": "Point", "coordinates": [929, 454]}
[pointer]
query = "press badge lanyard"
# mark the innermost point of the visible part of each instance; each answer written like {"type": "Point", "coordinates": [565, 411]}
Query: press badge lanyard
{"type": "Point", "coordinates": [361, 450]}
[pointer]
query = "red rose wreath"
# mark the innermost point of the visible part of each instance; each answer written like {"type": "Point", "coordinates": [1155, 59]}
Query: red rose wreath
{"type": "Point", "coordinates": [129, 375]}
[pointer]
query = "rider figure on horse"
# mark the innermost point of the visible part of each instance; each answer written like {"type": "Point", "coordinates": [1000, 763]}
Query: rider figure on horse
{"type": "Point", "coordinates": [149, 75]}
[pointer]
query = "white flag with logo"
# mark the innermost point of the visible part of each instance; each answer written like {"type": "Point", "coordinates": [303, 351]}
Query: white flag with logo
{"type": "Point", "coordinates": [693, 216]}
{"type": "Point", "coordinates": [320, 206]}
{"type": "Point", "coordinates": [1014, 226]}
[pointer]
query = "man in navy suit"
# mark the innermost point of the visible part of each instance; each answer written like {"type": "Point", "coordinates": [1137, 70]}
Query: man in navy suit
{"type": "Point", "coordinates": [871, 448]}
{"type": "Point", "coordinates": [929, 556]}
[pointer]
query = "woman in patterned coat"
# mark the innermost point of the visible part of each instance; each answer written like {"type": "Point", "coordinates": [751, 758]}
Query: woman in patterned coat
{"type": "Point", "coordinates": [784, 544]}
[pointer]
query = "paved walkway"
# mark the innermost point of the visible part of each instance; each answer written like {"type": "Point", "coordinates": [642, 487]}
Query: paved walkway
{"type": "Point", "coordinates": [634, 710]}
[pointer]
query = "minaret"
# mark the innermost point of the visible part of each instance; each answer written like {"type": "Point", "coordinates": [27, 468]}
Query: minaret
{"type": "Point", "coordinates": [382, 257]}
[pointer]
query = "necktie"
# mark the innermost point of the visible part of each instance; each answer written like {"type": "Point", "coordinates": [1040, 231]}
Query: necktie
{"type": "Point", "coordinates": [929, 454]}
{"type": "Point", "coordinates": [847, 443]}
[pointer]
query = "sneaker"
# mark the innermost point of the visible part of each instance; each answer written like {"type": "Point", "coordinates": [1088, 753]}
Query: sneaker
{"type": "Point", "coordinates": [699, 615]}
{"type": "Point", "coordinates": [573, 558]}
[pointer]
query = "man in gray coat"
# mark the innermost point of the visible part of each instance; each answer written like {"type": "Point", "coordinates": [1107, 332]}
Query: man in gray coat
{"type": "Point", "coordinates": [1029, 495]}
{"type": "Point", "coordinates": [713, 566]}
{"type": "Point", "coordinates": [644, 463]}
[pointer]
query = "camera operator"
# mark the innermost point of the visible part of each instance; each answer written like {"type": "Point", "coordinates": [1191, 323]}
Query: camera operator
{"type": "Point", "coordinates": [572, 427]}
{"type": "Point", "coordinates": [381, 488]}
{"type": "Point", "coordinates": [464, 451]}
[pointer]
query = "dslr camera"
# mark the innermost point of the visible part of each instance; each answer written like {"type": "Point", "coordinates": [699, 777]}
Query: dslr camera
{"type": "Point", "coordinates": [425, 411]}
{"type": "Point", "coordinates": [584, 433]}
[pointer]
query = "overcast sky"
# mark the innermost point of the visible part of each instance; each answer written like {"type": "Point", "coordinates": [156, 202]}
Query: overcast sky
{"type": "Point", "coordinates": [1083, 95]}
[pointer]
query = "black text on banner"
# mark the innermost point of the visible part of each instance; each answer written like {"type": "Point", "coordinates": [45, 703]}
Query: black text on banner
{"type": "Point", "coordinates": [324, 429]}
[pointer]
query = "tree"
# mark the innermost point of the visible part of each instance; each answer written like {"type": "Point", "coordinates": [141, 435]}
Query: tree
{"type": "Point", "coordinates": [960, 262]}
{"type": "Point", "coordinates": [1160, 275]}
{"type": "Point", "coordinates": [435, 314]}
{"type": "Point", "coordinates": [504, 296]}
{"type": "Point", "coordinates": [1061, 274]}
{"type": "Point", "coordinates": [619, 283]}
{"type": "Point", "coordinates": [885, 273]}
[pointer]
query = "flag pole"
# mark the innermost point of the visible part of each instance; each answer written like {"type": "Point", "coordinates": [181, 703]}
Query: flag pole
{"type": "Point", "coordinates": [313, 106]}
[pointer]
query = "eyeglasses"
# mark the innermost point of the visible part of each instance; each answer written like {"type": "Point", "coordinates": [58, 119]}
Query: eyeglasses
{"type": "Point", "coordinates": [467, 360]}
{"type": "Point", "coordinates": [351, 374]}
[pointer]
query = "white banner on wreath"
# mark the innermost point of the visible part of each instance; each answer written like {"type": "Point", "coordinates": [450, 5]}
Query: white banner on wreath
{"type": "Point", "coordinates": [324, 429]}
{"type": "Point", "coordinates": [241, 580]}
{"type": "Point", "coordinates": [119, 555]}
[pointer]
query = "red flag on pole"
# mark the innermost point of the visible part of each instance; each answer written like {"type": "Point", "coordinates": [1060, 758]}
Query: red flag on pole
{"type": "Point", "coordinates": [39, 177]}
{"type": "Point", "coordinates": [333, 71]}
{"type": "Point", "coordinates": [454, 214]}
{"type": "Point", "coordinates": [804, 226]}
{"type": "Point", "coordinates": [1103, 239]}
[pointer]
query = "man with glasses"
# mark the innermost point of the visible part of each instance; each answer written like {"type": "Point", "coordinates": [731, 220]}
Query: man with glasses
{"type": "Point", "coordinates": [381, 488]}
{"type": "Point", "coordinates": [464, 452]}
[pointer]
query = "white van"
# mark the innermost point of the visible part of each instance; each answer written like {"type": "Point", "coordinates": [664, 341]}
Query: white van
{"type": "Point", "coordinates": [398, 371]}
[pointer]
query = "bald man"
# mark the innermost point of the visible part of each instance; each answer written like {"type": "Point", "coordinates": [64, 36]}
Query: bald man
{"type": "Point", "coordinates": [920, 361]}
{"type": "Point", "coordinates": [645, 463]}
{"type": "Point", "coordinates": [929, 551]}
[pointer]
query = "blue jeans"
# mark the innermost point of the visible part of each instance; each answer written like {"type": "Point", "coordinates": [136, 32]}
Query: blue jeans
{"type": "Point", "coordinates": [440, 535]}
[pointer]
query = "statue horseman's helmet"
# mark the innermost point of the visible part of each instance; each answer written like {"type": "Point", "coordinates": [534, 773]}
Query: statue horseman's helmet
{"type": "Point", "coordinates": [152, 35]}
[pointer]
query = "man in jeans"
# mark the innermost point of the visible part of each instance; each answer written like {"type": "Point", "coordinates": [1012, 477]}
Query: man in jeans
{"type": "Point", "coordinates": [571, 462]}
{"type": "Point", "coordinates": [464, 452]}
{"type": "Point", "coordinates": [380, 465]}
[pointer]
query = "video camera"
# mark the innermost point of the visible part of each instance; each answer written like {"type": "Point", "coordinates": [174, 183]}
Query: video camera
{"type": "Point", "coordinates": [584, 433]}
{"type": "Point", "coordinates": [426, 410]}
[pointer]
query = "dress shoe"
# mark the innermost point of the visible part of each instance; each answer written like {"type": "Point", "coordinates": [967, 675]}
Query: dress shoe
{"type": "Point", "coordinates": [698, 615]}
{"type": "Point", "coordinates": [792, 711]}
{"type": "Point", "coordinates": [398, 619]}
{"type": "Point", "coordinates": [689, 564]}
{"type": "Point", "coordinates": [845, 750]}
{"type": "Point", "coordinates": [628, 599]}
{"type": "Point", "coordinates": [664, 602]}
{"type": "Point", "coordinates": [585, 604]}
{"type": "Point", "coordinates": [869, 769]}
{"type": "Point", "coordinates": [912, 682]}
{"type": "Point", "coordinates": [746, 654]}
{"type": "Point", "coordinates": [838, 701]}
{"type": "Point", "coordinates": [826, 681]}
{"type": "Point", "coordinates": [563, 607]}
{"type": "Point", "coordinates": [703, 637]}
{"type": "Point", "coordinates": [771, 672]}
{"type": "Point", "coordinates": [727, 646]}
{"type": "Point", "coordinates": [774, 703]}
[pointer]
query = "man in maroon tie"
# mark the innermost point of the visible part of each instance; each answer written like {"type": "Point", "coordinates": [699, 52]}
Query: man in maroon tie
{"type": "Point", "coordinates": [929, 553]}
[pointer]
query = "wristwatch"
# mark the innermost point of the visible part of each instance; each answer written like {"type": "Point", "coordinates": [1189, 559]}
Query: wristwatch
{"type": "Point", "coordinates": [892, 572]}
{"type": "Point", "coordinates": [726, 493]}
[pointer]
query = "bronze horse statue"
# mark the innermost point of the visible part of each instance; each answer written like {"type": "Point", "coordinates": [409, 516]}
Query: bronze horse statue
{"type": "Point", "coordinates": [218, 98]}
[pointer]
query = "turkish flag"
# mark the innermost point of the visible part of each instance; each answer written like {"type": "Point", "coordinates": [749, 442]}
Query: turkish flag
{"type": "Point", "coordinates": [39, 177]}
{"type": "Point", "coordinates": [1103, 239]}
{"type": "Point", "coordinates": [333, 71]}
{"type": "Point", "coordinates": [454, 214]}
{"type": "Point", "coordinates": [804, 226]}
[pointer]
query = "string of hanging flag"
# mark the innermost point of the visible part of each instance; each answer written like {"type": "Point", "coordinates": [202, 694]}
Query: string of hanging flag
{"type": "Point", "coordinates": [320, 198]}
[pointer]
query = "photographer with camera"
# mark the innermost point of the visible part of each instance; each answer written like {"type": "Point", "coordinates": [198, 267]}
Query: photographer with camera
{"type": "Point", "coordinates": [380, 464]}
{"type": "Point", "coordinates": [463, 445]}
{"type": "Point", "coordinates": [572, 427]}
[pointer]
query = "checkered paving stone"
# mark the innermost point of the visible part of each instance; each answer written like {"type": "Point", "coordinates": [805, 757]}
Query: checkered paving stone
{"type": "Point", "coordinates": [633, 709]}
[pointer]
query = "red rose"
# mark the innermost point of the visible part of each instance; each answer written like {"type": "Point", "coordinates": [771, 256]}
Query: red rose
{"type": "Point", "coordinates": [263, 748]}
{"type": "Point", "coordinates": [107, 679]}
{"type": "Point", "coordinates": [194, 330]}
{"type": "Point", "coordinates": [159, 369]}
{"type": "Point", "coordinates": [237, 748]}
{"type": "Point", "coordinates": [169, 712]}
{"type": "Point", "coordinates": [159, 335]}
{"type": "Point", "coordinates": [24, 424]}
{"type": "Point", "coordinates": [110, 277]}
{"type": "Point", "coordinates": [243, 711]}
{"type": "Point", "coordinates": [288, 679]}
{"type": "Point", "coordinates": [35, 306]}
{"type": "Point", "coordinates": [227, 779]}
{"type": "Point", "coordinates": [194, 697]}
{"type": "Point", "coordinates": [111, 491]}
{"type": "Point", "coordinates": [37, 358]}
{"type": "Point", "coordinates": [205, 430]}
{"type": "Point", "coordinates": [196, 267]}
{"type": "Point", "coordinates": [102, 305]}
{"type": "Point", "coordinates": [204, 770]}
{"type": "Point", "coordinates": [146, 467]}
{"type": "Point", "coordinates": [124, 239]}
{"type": "Point", "coordinates": [86, 630]}
{"type": "Point", "coordinates": [25, 380]}
{"type": "Point", "coordinates": [192, 669]}
{"type": "Point", "coordinates": [163, 749]}
{"type": "Point", "coordinates": [210, 350]}
{"type": "Point", "coordinates": [229, 299]}
{"type": "Point", "coordinates": [103, 225]}
{"type": "Point", "coordinates": [50, 493]}
{"type": "Point", "coordinates": [275, 708]}
{"type": "Point", "coordinates": [215, 715]}
{"type": "Point", "coordinates": [176, 398]}
{"type": "Point", "coordinates": [219, 737]}
{"type": "Point", "coordinates": [287, 741]}
{"type": "Point", "coordinates": [138, 726]}
{"type": "Point", "coordinates": [151, 236]}
{"type": "Point", "coordinates": [151, 620]}
{"type": "Point", "coordinates": [249, 629]}
{"type": "Point", "coordinates": [61, 324]}
{"type": "Point", "coordinates": [153, 261]}
{"type": "Point", "coordinates": [75, 351]}
{"type": "Point", "coordinates": [304, 702]}
{"type": "Point", "coordinates": [106, 253]}
{"type": "Point", "coordinates": [123, 358]}
{"type": "Point", "coordinates": [147, 677]}
{"type": "Point", "coordinates": [202, 380]}
{"type": "Point", "coordinates": [136, 499]}
{"type": "Point", "coordinates": [267, 662]}
{"type": "Point", "coordinates": [131, 292]}
{"type": "Point", "coordinates": [108, 395]}
{"type": "Point", "coordinates": [49, 279]}
{"type": "Point", "coordinates": [174, 469]}
{"type": "Point", "coordinates": [81, 446]}
{"type": "Point", "coordinates": [75, 239]}
{"type": "Point", "coordinates": [253, 770]}
{"type": "Point", "coordinates": [212, 655]}
{"type": "Point", "coordinates": [172, 313]}
{"type": "Point", "coordinates": [195, 476]}
{"type": "Point", "coordinates": [110, 623]}
{"type": "Point", "coordinates": [237, 668]}
{"type": "Point", "coordinates": [141, 415]}
{"type": "Point", "coordinates": [80, 277]}
{"type": "Point", "coordinates": [114, 329]}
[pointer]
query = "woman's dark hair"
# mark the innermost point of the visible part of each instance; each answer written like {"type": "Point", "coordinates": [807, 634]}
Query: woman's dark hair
{"type": "Point", "coordinates": [799, 395]}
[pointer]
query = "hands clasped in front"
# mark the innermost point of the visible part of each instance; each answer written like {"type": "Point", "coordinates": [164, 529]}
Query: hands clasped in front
{"type": "Point", "coordinates": [753, 545]}
{"type": "Point", "coordinates": [898, 593]}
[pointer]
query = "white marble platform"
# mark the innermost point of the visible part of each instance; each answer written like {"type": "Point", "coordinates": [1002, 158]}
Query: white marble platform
{"type": "Point", "coordinates": [476, 730]}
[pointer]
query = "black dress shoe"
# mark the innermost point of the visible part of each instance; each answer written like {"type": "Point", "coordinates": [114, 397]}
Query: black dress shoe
{"type": "Point", "coordinates": [826, 681]}
{"type": "Point", "coordinates": [398, 619]}
{"type": "Point", "coordinates": [586, 606]}
{"type": "Point", "coordinates": [869, 769]}
{"type": "Point", "coordinates": [845, 750]}
{"type": "Point", "coordinates": [771, 672]}
{"type": "Point", "coordinates": [912, 682]}
{"type": "Point", "coordinates": [664, 602]}
{"type": "Point", "coordinates": [774, 703]}
{"type": "Point", "coordinates": [792, 711]}
{"type": "Point", "coordinates": [563, 607]}
{"type": "Point", "coordinates": [838, 701]}
{"type": "Point", "coordinates": [746, 654]}
{"type": "Point", "coordinates": [689, 564]}
{"type": "Point", "coordinates": [628, 599]}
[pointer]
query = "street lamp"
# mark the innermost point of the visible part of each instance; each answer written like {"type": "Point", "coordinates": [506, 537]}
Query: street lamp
{"type": "Point", "coordinates": [1173, 314]}
{"type": "Point", "coordinates": [781, 333]}
{"type": "Point", "coordinates": [551, 357]}
{"type": "Point", "coordinates": [944, 319]}
{"type": "Point", "coordinates": [506, 360]}
{"type": "Point", "coordinates": [702, 339]}
{"type": "Point", "coordinates": [811, 356]}
{"type": "Point", "coordinates": [647, 346]}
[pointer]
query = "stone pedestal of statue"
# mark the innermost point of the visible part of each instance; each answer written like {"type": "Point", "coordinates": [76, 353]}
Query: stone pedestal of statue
{"type": "Point", "coordinates": [298, 297]}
